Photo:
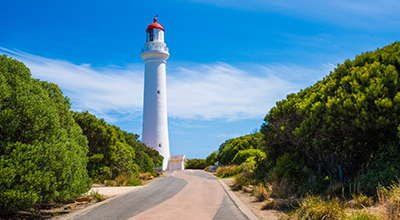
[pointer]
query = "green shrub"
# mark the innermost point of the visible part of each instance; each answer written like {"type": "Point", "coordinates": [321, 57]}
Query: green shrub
{"type": "Point", "coordinates": [243, 155]}
{"type": "Point", "coordinates": [384, 170]}
{"type": "Point", "coordinates": [227, 171]}
{"type": "Point", "coordinates": [196, 164]}
{"type": "Point", "coordinates": [291, 167]}
{"type": "Point", "coordinates": [42, 150]}
{"type": "Point", "coordinates": [133, 181]}
{"type": "Point", "coordinates": [246, 167]}
{"type": "Point", "coordinates": [243, 179]}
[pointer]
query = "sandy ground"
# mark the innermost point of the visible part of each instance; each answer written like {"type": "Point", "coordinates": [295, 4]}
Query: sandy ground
{"type": "Point", "coordinates": [252, 204]}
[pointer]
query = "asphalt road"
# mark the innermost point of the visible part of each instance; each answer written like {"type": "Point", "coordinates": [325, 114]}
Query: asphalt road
{"type": "Point", "coordinates": [186, 194]}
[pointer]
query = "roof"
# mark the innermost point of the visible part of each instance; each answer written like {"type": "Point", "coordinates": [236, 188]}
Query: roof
{"type": "Point", "coordinates": [177, 157]}
{"type": "Point", "coordinates": [155, 25]}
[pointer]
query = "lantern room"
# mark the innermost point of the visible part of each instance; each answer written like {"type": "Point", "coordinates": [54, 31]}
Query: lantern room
{"type": "Point", "coordinates": [155, 32]}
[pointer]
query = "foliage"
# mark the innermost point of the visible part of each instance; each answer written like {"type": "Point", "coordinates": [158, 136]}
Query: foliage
{"type": "Point", "coordinates": [227, 171]}
{"type": "Point", "coordinates": [243, 155]}
{"type": "Point", "coordinates": [290, 167]}
{"type": "Point", "coordinates": [384, 169]}
{"type": "Point", "coordinates": [146, 157]}
{"type": "Point", "coordinates": [212, 159]}
{"type": "Point", "coordinates": [361, 215]}
{"type": "Point", "coordinates": [231, 147]}
{"type": "Point", "coordinates": [362, 201]}
{"type": "Point", "coordinates": [390, 197]}
{"type": "Point", "coordinates": [340, 120]}
{"type": "Point", "coordinates": [261, 192]}
{"type": "Point", "coordinates": [196, 164]}
{"type": "Point", "coordinates": [246, 168]}
{"type": "Point", "coordinates": [42, 150]}
{"type": "Point", "coordinates": [314, 207]}
{"type": "Point", "coordinates": [97, 196]}
{"type": "Point", "coordinates": [113, 152]}
{"type": "Point", "coordinates": [242, 180]}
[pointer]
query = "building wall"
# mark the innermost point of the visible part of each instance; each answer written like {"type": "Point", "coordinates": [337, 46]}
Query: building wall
{"type": "Point", "coordinates": [155, 122]}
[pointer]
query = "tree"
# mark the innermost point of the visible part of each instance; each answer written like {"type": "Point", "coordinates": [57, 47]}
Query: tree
{"type": "Point", "coordinates": [339, 123]}
{"type": "Point", "coordinates": [109, 153]}
{"type": "Point", "coordinates": [212, 158]}
{"type": "Point", "coordinates": [42, 150]}
{"type": "Point", "coordinates": [256, 154]}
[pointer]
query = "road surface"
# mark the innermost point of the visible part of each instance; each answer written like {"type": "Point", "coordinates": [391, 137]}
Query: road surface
{"type": "Point", "coordinates": [189, 194]}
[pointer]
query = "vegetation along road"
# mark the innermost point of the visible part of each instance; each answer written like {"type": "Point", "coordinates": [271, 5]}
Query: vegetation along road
{"type": "Point", "coordinates": [186, 194]}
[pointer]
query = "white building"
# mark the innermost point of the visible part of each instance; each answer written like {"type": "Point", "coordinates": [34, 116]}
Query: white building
{"type": "Point", "coordinates": [176, 162]}
{"type": "Point", "coordinates": [155, 122]}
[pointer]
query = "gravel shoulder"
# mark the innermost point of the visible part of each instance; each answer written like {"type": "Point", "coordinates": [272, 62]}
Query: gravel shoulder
{"type": "Point", "coordinates": [251, 203]}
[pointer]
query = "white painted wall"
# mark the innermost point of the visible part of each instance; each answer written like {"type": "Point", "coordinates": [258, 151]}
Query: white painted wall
{"type": "Point", "coordinates": [155, 119]}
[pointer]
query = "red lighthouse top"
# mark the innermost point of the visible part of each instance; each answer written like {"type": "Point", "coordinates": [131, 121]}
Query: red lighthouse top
{"type": "Point", "coordinates": [155, 25]}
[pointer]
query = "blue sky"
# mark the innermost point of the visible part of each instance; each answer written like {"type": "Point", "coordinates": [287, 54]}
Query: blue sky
{"type": "Point", "coordinates": [230, 61]}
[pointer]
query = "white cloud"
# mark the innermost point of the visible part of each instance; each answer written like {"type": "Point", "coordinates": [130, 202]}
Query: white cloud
{"type": "Point", "coordinates": [195, 91]}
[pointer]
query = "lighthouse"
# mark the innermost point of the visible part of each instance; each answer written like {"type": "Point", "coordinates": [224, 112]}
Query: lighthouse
{"type": "Point", "coordinates": [155, 122]}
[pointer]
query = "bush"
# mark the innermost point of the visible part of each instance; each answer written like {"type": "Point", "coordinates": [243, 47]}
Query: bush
{"type": "Point", "coordinates": [384, 170]}
{"type": "Point", "coordinates": [227, 171]}
{"type": "Point", "coordinates": [133, 181]}
{"type": "Point", "coordinates": [290, 167]}
{"type": "Point", "coordinates": [242, 180]}
{"type": "Point", "coordinates": [246, 167]}
{"type": "Point", "coordinates": [42, 150]}
{"type": "Point", "coordinates": [256, 155]}
{"type": "Point", "coordinates": [196, 164]}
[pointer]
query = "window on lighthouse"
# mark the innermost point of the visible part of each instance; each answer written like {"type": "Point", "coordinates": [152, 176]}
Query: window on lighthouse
{"type": "Point", "coordinates": [159, 145]}
{"type": "Point", "coordinates": [150, 35]}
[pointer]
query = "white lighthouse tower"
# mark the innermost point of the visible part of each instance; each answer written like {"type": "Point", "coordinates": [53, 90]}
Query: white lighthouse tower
{"type": "Point", "coordinates": [155, 122]}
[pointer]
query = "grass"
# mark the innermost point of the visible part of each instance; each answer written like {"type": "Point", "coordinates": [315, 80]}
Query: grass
{"type": "Point", "coordinates": [145, 176]}
{"type": "Point", "coordinates": [121, 180]}
{"type": "Point", "coordinates": [362, 201]}
{"type": "Point", "coordinates": [261, 192]}
{"type": "Point", "coordinates": [314, 207]}
{"type": "Point", "coordinates": [97, 196]}
{"type": "Point", "coordinates": [227, 171]}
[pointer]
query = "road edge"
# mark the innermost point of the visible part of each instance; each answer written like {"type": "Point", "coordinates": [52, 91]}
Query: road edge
{"type": "Point", "coordinates": [241, 206]}
{"type": "Point", "coordinates": [77, 213]}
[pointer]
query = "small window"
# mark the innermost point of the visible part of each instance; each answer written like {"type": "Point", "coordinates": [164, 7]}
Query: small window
{"type": "Point", "coordinates": [159, 145]}
{"type": "Point", "coordinates": [158, 91]}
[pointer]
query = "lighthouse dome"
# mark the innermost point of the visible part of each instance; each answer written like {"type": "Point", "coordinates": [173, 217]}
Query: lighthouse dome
{"type": "Point", "coordinates": [155, 25]}
{"type": "Point", "coordinates": [155, 32]}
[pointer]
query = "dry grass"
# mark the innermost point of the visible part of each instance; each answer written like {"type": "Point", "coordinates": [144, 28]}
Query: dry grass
{"type": "Point", "coordinates": [145, 176]}
{"type": "Point", "coordinates": [121, 180]}
{"type": "Point", "coordinates": [280, 204]}
{"type": "Point", "coordinates": [110, 183]}
{"type": "Point", "coordinates": [227, 171]}
{"type": "Point", "coordinates": [362, 201]}
{"type": "Point", "coordinates": [279, 189]}
{"type": "Point", "coordinates": [314, 207]}
{"type": "Point", "coordinates": [261, 192]}
{"type": "Point", "coordinates": [391, 199]}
